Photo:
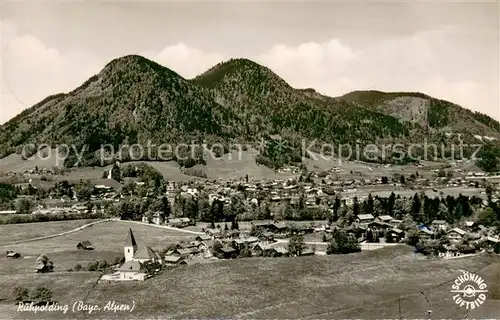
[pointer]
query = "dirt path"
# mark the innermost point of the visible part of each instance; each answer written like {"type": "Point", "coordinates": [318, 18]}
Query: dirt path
{"type": "Point", "coordinates": [55, 235]}
{"type": "Point", "coordinates": [161, 227]}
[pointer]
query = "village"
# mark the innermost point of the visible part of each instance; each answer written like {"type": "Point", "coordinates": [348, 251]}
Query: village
{"type": "Point", "coordinates": [309, 214]}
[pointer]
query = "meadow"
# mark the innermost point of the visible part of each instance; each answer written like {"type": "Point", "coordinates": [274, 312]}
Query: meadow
{"type": "Point", "coordinates": [372, 284]}
{"type": "Point", "coordinates": [25, 231]}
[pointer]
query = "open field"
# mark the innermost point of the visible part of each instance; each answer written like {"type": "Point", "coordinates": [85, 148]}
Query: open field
{"type": "Point", "coordinates": [364, 285]}
{"type": "Point", "coordinates": [106, 236]}
{"type": "Point", "coordinates": [24, 231]}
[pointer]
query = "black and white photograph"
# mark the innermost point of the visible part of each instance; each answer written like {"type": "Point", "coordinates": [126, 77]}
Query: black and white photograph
{"type": "Point", "coordinates": [249, 159]}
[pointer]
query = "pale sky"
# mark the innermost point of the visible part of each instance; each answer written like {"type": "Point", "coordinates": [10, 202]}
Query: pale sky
{"type": "Point", "coordinates": [449, 50]}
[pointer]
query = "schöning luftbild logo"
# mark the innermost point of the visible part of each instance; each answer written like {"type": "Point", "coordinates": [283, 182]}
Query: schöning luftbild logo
{"type": "Point", "coordinates": [470, 290]}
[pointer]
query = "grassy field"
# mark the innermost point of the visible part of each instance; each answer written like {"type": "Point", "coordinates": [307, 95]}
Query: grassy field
{"type": "Point", "coordinates": [106, 236]}
{"type": "Point", "coordinates": [364, 285]}
{"type": "Point", "coordinates": [25, 231]}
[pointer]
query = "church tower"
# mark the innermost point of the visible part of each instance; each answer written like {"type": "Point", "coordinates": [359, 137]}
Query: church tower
{"type": "Point", "coordinates": [130, 246]}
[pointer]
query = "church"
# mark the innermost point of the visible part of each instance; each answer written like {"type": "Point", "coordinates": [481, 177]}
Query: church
{"type": "Point", "coordinates": [137, 260]}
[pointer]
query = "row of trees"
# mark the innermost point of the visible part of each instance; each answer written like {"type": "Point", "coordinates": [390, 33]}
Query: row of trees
{"type": "Point", "coordinates": [37, 295]}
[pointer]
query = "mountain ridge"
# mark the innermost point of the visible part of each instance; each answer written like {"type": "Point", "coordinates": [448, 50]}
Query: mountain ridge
{"type": "Point", "coordinates": [135, 100]}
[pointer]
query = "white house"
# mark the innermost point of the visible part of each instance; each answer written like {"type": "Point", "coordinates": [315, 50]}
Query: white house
{"type": "Point", "coordinates": [132, 270]}
{"type": "Point", "coordinates": [455, 234]}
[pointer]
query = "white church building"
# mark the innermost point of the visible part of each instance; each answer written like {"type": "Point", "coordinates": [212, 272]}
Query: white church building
{"type": "Point", "coordinates": [135, 259]}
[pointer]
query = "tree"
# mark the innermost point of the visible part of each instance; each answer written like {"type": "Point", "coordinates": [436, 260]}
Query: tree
{"type": "Point", "coordinates": [415, 207]}
{"type": "Point", "coordinates": [413, 238]}
{"type": "Point", "coordinates": [343, 243]}
{"type": "Point", "coordinates": [226, 227]}
{"type": "Point", "coordinates": [41, 294]}
{"type": "Point", "coordinates": [24, 206]}
{"type": "Point", "coordinates": [296, 245]}
{"type": "Point", "coordinates": [217, 248]}
{"type": "Point", "coordinates": [402, 179]}
{"type": "Point", "coordinates": [368, 205]}
{"type": "Point", "coordinates": [116, 173]}
{"type": "Point", "coordinates": [355, 206]}
{"type": "Point", "coordinates": [389, 237]}
{"type": "Point", "coordinates": [83, 191]}
{"type": "Point", "coordinates": [235, 225]}
{"type": "Point", "coordinates": [21, 294]}
{"type": "Point", "coordinates": [369, 236]}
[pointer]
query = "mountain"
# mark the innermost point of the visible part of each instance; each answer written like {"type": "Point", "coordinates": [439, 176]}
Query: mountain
{"type": "Point", "coordinates": [426, 111]}
{"type": "Point", "coordinates": [135, 100]}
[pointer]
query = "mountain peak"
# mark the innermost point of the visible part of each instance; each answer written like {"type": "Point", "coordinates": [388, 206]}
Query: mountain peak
{"type": "Point", "coordinates": [238, 69]}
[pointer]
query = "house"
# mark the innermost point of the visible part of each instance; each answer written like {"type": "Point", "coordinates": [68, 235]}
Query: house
{"type": "Point", "coordinates": [356, 231]}
{"type": "Point", "coordinates": [491, 242]}
{"type": "Point", "coordinates": [261, 249]}
{"type": "Point", "coordinates": [186, 252]}
{"type": "Point", "coordinates": [397, 234]}
{"type": "Point", "coordinates": [379, 226]}
{"type": "Point", "coordinates": [455, 234]}
{"type": "Point", "coordinates": [202, 238]}
{"type": "Point", "coordinates": [179, 222]}
{"type": "Point", "coordinates": [365, 218]}
{"type": "Point", "coordinates": [13, 255]}
{"type": "Point", "coordinates": [84, 245]}
{"type": "Point", "coordinates": [239, 244]}
{"type": "Point", "coordinates": [229, 253]}
{"type": "Point", "coordinates": [425, 234]}
{"type": "Point", "coordinates": [158, 218]}
{"type": "Point", "coordinates": [215, 233]}
{"type": "Point", "coordinates": [266, 236]}
{"type": "Point", "coordinates": [471, 226]}
{"type": "Point", "coordinates": [133, 271]}
{"type": "Point", "coordinates": [439, 225]}
{"type": "Point", "coordinates": [251, 240]}
{"type": "Point", "coordinates": [174, 260]}
{"type": "Point", "coordinates": [307, 252]}
{"type": "Point", "coordinates": [385, 218]}
{"type": "Point", "coordinates": [280, 252]}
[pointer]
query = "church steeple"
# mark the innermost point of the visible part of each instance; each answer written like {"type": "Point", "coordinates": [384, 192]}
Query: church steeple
{"type": "Point", "coordinates": [130, 246]}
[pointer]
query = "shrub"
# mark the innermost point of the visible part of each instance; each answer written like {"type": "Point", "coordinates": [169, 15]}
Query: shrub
{"type": "Point", "coordinates": [21, 294]}
{"type": "Point", "coordinates": [41, 295]}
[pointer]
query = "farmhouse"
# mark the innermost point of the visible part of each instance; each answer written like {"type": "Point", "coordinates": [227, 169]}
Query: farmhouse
{"type": "Point", "coordinates": [179, 222]}
{"type": "Point", "coordinates": [365, 218]}
{"type": "Point", "coordinates": [13, 255]}
{"type": "Point", "coordinates": [455, 234]}
{"type": "Point", "coordinates": [132, 270]}
{"type": "Point", "coordinates": [84, 245]}
{"type": "Point", "coordinates": [425, 234]}
{"type": "Point", "coordinates": [385, 218]}
{"type": "Point", "coordinates": [439, 225]}
{"type": "Point", "coordinates": [202, 238]}
{"type": "Point", "coordinates": [174, 260]}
